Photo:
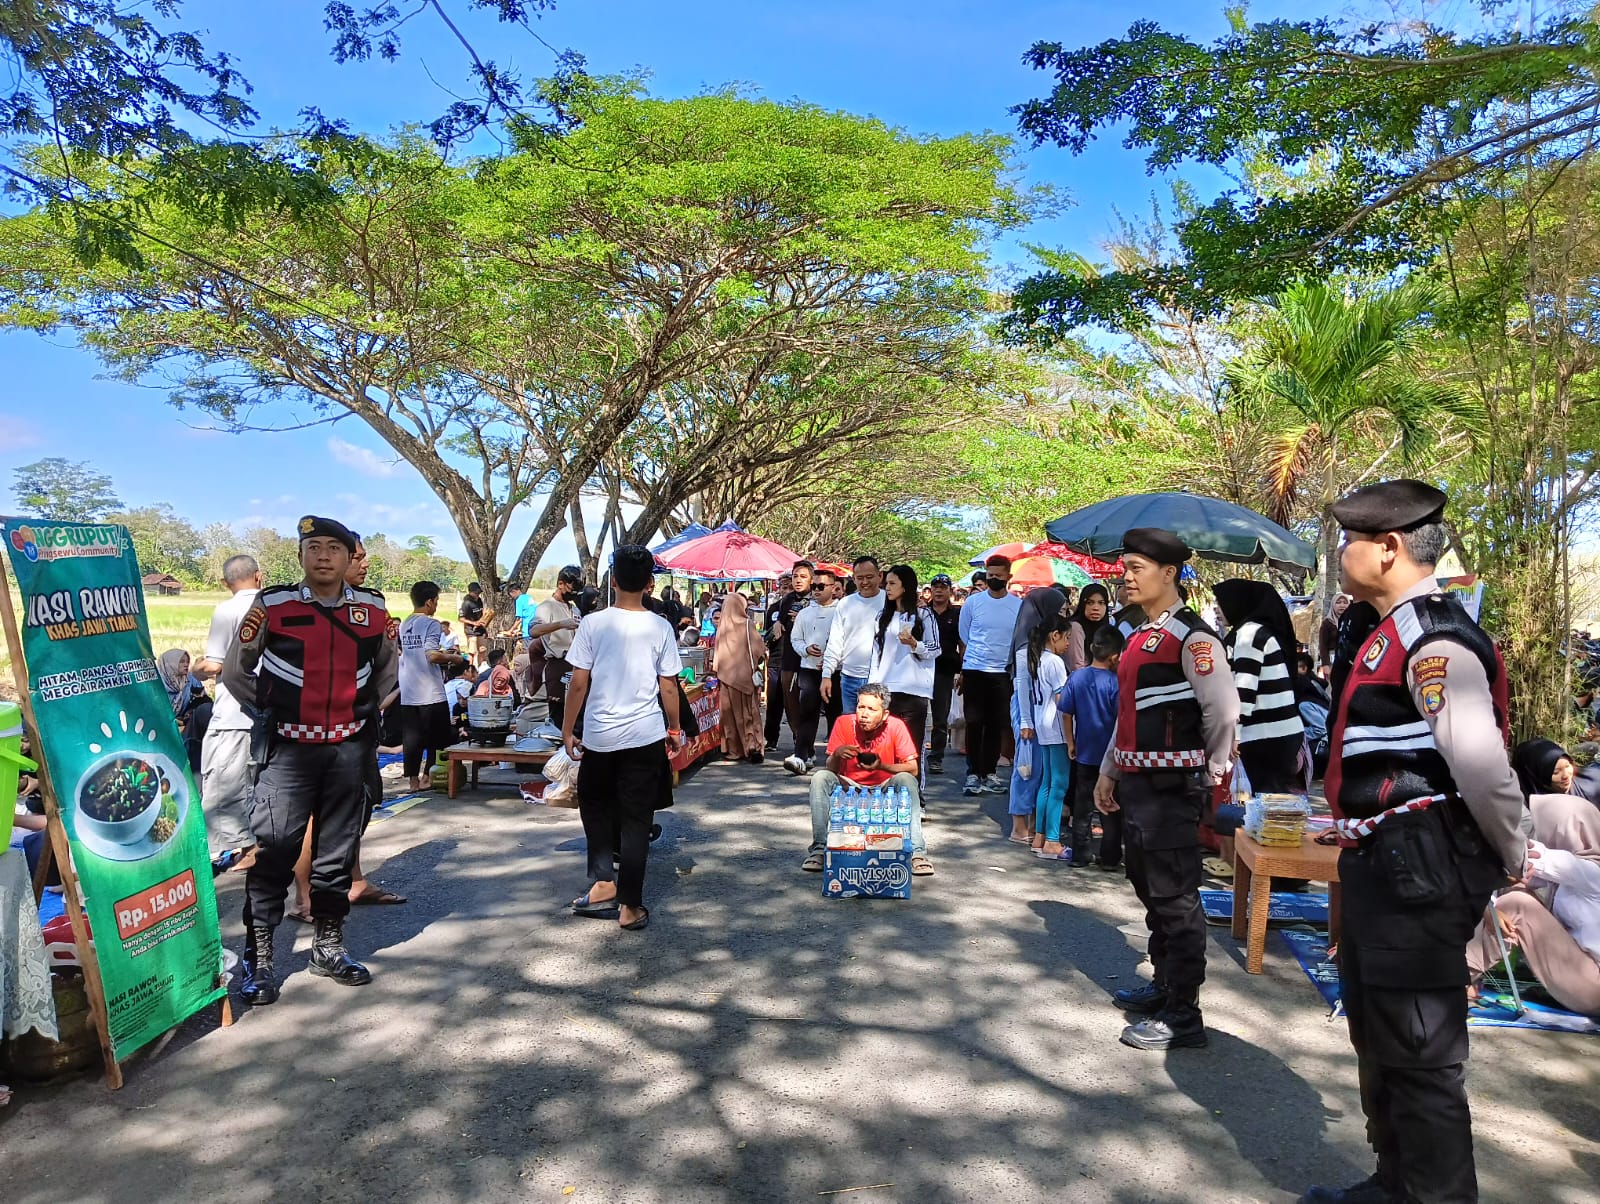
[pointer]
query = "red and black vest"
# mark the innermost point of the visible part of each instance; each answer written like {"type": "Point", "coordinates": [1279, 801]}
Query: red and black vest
{"type": "Point", "coordinates": [1159, 721]}
{"type": "Point", "coordinates": [1382, 751]}
{"type": "Point", "coordinates": [315, 674]}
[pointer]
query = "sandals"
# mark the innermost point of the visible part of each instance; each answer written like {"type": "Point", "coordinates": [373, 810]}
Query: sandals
{"type": "Point", "coordinates": [812, 864]}
{"type": "Point", "coordinates": [1217, 867]}
{"type": "Point", "coordinates": [378, 895]}
{"type": "Point", "coordinates": [600, 909]}
{"type": "Point", "coordinates": [921, 867]}
{"type": "Point", "coordinates": [641, 923]}
{"type": "Point", "coordinates": [297, 916]}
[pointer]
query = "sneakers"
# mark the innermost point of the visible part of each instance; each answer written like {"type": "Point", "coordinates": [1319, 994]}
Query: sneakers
{"type": "Point", "coordinates": [993, 785]}
{"type": "Point", "coordinates": [1147, 997]}
{"type": "Point", "coordinates": [935, 764]}
{"type": "Point", "coordinates": [1167, 1032]}
{"type": "Point", "coordinates": [1368, 1191]}
{"type": "Point", "coordinates": [973, 785]}
{"type": "Point", "coordinates": [794, 765]}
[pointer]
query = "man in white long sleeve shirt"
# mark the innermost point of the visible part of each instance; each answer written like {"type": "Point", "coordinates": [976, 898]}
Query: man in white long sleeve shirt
{"type": "Point", "coordinates": [855, 624]}
{"type": "Point", "coordinates": [812, 626]}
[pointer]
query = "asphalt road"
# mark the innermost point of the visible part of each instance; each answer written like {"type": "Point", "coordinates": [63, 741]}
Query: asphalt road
{"type": "Point", "coordinates": [757, 1042]}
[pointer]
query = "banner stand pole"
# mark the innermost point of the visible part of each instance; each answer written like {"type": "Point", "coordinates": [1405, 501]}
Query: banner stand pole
{"type": "Point", "coordinates": [59, 844]}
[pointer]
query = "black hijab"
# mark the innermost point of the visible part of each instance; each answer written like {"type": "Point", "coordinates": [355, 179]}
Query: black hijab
{"type": "Point", "coordinates": [1039, 606]}
{"type": "Point", "coordinates": [1083, 621]}
{"type": "Point", "coordinates": [1535, 763]}
{"type": "Point", "coordinates": [1244, 602]}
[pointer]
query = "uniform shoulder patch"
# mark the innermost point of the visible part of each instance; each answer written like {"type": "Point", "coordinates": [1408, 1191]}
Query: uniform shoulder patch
{"type": "Point", "coordinates": [1430, 668]}
{"type": "Point", "coordinates": [391, 629]}
{"type": "Point", "coordinates": [1432, 694]}
{"type": "Point", "coordinates": [250, 625]}
{"type": "Point", "coordinates": [1375, 650]}
{"type": "Point", "coordinates": [1205, 657]}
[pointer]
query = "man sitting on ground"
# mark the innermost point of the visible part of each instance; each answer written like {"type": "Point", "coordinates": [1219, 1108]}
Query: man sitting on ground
{"type": "Point", "coordinates": [869, 748]}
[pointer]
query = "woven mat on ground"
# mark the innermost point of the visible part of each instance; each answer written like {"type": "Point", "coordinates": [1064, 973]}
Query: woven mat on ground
{"type": "Point", "coordinates": [1288, 907]}
{"type": "Point", "coordinates": [1494, 1009]}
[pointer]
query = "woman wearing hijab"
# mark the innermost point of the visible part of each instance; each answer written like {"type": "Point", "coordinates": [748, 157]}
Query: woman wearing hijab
{"type": "Point", "coordinates": [738, 662]}
{"type": "Point", "coordinates": [1544, 767]}
{"type": "Point", "coordinates": [1554, 916]}
{"type": "Point", "coordinates": [190, 705]}
{"type": "Point", "coordinates": [1092, 613]}
{"type": "Point", "coordinates": [1260, 641]}
{"type": "Point", "coordinates": [1040, 607]}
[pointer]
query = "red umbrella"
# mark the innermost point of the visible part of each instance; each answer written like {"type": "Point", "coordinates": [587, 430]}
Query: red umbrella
{"type": "Point", "coordinates": [1100, 570]}
{"type": "Point", "coordinates": [729, 556]}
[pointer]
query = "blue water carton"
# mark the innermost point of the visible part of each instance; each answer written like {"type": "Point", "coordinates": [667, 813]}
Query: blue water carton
{"type": "Point", "coordinates": [870, 873]}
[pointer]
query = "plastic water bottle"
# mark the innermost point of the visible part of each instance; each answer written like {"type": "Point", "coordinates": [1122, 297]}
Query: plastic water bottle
{"type": "Point", "coordinates": [905, 806]}
{"type": "Point", "coordinates": [836, 808]}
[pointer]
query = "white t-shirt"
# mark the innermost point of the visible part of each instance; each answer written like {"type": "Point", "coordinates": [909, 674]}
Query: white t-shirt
{"type": "Point", "coordinates": [626, 652]}
{"type": "Point", "coordinates": [1047, 713]}
{"type": "Point", "coordinates": [449, 641]}
{"type": "Point", "coordinates": [557, 643]}
{"type": "Point", "coordinates": [226, 713]}
{"type": "Point", "coordinates": [421, 682]}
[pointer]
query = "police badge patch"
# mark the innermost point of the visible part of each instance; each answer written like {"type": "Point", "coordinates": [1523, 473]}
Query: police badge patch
{"type": "Point", "coordinates": [1432, 694]}
{"type": "Point", "coordinates": [358, 615]}
{"type": "Point", "coordinates": [251, 626]}
{"type": "Point", "coordinates": [1153, 641]}
{"type": "Point", "coordinates": [1204, 657]}
{"type": "Point", "coordinates": [1375, 651]}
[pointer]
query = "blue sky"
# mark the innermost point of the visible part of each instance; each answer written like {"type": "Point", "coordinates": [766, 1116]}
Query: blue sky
{"type": "Point", "coordinates": [933, 66]}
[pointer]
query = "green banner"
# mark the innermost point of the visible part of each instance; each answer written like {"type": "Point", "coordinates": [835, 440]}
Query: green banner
{"type": "Point", "coordinates": [129, 803]}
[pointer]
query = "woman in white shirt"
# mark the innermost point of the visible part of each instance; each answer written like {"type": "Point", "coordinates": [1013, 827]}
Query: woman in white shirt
{"type": "Point", "coordinates": [1554, 917]}
{"type": "Point", "coordinates": [903, 653]}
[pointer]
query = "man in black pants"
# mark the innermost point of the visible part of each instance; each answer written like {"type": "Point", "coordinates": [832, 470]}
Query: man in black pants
{"type": "Point", "coordinates": [946, 667]}
{"type": "Point", "coordinates": [985, 628]}
{"type": "Point", "coordinates": [809, 638]}
{"type": "Point", "coordinates": [325, 654]}
{"type": "Point", "coordinates": [625, 660]}
{"type": "Point", "coordinates": [1177, 713]}
{"type": "Point", "coordinates": [1427, 812]}
{"type": "Point", "coordinates": [794, 591]}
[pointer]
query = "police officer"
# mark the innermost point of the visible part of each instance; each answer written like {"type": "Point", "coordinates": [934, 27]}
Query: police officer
{"type": "Point", "coordinates": [1177, 712]}
{"type": "Point", "coordinates": [315, 658]}
{"type": "Point", "coordinates": [1428, 813]}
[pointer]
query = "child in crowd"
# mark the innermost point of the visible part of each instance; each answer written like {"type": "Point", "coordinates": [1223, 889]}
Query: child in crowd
{"type": "Point", "coordinates": [1047, 650]}
{"type": "Point", "coordinates": [1088, 704]}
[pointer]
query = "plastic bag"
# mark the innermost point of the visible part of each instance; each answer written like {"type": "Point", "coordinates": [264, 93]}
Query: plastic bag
{"type": "Point", "coordinates": [1023, 763]}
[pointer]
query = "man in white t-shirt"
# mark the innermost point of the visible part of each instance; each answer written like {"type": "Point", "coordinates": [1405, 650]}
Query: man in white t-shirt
{"type": "Point", "coordinates": [555, 620]}
{"type": "Point", "coordinates": [424, 714]}
{"type": "Point", "coordinates": [625, 666]}
{"type": "Point", "coordinates": [225, 752]}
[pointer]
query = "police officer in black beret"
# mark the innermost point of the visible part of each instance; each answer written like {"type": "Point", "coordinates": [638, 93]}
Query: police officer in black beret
{"type": "Point", "coordinates": [312, 661]}
{"type": "Point", "coordinates": [1177, 714]}
{"type": "Point", "coordinates": [1427, 812]}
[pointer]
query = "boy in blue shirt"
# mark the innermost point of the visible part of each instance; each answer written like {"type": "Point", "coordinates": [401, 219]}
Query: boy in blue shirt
{"type": "Point", "coordinates": [1088, 705]}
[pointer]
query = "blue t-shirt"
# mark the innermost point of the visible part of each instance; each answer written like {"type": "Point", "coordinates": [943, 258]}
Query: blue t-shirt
{"type": "Point", "coordinates": [525, 608]}
{"type": "Point", "coordinates": [1090, 697]}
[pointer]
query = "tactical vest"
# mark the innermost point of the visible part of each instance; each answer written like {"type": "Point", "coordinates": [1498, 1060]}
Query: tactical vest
{"type": "Point", "coordinates": [1382, 751]}
{"type": "Point", "coordinates": [1158, 716]}
{"type": "Point", "coordinates": [315, 674]}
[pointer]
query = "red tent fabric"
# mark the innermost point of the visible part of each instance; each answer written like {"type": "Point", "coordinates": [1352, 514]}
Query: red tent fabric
{"type": "Point", "coordinates": [1100, 570]}
{"type": "Point", "coordinates": [729, 555]}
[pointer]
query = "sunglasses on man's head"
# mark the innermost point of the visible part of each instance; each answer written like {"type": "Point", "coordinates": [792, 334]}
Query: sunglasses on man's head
{"type": "Point", "coordinates": [941, 579]}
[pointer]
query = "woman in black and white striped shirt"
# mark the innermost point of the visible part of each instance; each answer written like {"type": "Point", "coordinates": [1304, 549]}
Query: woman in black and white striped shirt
{"type": "Point", "coordinates": [1260, 642]}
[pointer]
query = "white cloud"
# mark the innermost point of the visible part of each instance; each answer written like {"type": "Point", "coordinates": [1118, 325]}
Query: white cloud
{"type": "Point", "coordinates": [363, 460]}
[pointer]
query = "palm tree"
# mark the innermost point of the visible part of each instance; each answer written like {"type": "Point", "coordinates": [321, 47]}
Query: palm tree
{"type": "Point", "coordinates": [1342, 379]}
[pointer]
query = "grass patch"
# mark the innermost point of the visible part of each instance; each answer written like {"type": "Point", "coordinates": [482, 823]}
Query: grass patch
{"type": "Point", "coordinates": [175, 622]}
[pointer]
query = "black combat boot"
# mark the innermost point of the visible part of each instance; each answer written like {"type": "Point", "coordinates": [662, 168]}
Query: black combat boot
{"type": "Point", "coordinates": [257, 985]}
{"type": "Point", "coordinates": [1146, 1000]}
{"type": "Point", "coordinates": [330, 959]}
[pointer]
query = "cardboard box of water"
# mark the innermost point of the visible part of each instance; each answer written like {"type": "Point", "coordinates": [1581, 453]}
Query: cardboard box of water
{"type": "Point", "coordinates": [869, 844]}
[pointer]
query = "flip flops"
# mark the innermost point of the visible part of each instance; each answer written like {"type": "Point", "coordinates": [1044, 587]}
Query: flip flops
{"type": "Point", "coordinates": [602, 909]}
{"type": "Point", "coordinates": [642, 922]}
{"type": "Point", "coordinates": [1217, 867]}
{"type": "Point", "coordinates": [378, 896]}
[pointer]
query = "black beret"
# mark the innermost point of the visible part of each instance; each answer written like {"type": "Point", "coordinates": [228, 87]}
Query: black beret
{"type": "Point", "coordinates": [313, 525]}
{"type": "Point", "coordinates": [1390, 506]}
{"type": "Point", "coordinates": [1163, 547]}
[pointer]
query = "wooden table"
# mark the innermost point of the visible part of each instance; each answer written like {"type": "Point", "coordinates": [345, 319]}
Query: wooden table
{"type": "Point", "coordinates": [476, 754]}
{"type": "Point", "coordinates": [1254, 862]}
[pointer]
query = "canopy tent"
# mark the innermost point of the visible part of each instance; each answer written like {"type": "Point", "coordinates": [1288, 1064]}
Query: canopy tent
{"type": "Point", "coordinates": [1215, 529]}
{"type": "Point", "coordinates": [729, 553]}
{"type": "Point", "coordinates": [1031, 572]}
{"type": "Point", "coordinates": [1099, 570]}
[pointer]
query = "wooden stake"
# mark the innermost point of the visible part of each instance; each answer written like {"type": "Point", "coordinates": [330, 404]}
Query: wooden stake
{"type": "Point", "coordinates": [93, 986]}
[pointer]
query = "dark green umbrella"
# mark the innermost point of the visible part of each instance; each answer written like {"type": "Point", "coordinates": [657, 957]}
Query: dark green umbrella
{"type": "Point", "coordinates": [1215, 529]}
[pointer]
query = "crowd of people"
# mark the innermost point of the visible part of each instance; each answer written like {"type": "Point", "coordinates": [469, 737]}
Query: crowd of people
{"type": "Point", "coordinates": [1125, 717]}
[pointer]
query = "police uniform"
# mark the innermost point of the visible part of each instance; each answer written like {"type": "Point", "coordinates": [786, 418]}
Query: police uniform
{"type": "Point", "coordinates": [1427, 812]}
{"type": "Point", "coordinates": [320, 671]}
{"type": "Point", "coordinates": [1177, 713]}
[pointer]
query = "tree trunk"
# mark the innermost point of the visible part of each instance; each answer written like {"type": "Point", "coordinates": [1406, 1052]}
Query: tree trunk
{"type": "Point", "coordinates": [580, 536]}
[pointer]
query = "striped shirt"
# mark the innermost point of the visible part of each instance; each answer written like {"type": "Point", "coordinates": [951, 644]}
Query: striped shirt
{"type": "Point", "coordinates": [1267, 708]}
